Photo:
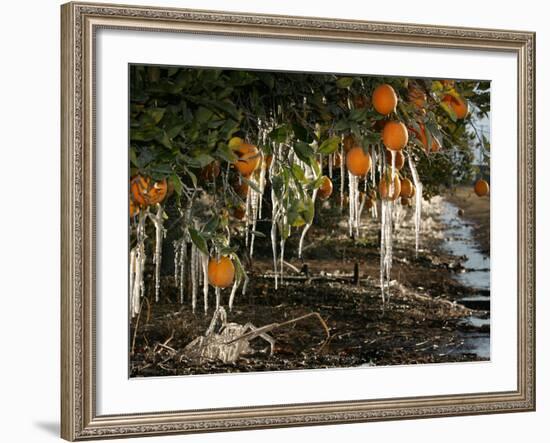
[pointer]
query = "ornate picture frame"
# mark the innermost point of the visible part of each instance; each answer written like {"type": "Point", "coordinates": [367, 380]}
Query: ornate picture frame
{"type": "Point", "coordinates": [80, 22]}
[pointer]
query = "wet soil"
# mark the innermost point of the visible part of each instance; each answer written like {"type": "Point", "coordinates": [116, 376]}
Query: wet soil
{"type": "Point", "coordinates": [476, 211]}
{"type": "Point", "coordinates": [424, 322]}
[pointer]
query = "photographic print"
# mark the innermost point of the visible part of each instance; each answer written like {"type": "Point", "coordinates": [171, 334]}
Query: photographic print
{"type": "Point", "coordinates": [291, 220]}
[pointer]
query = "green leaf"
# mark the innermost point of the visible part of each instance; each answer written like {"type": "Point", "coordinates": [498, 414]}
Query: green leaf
{"type": "Point", "coordinates": [144, 135]}
{"type": "Point", "coordinates": [176, 182]}
{"type": "Point", "coordinates": [298, 173]}
{"type": "Point", "coordinates": [239, 269]}
{"type": "Point", "coordinates": [341, 125]}
{"type": "Point", "coordinates": [344, 82]}
{"type": "Point", "coordinates": [155, 114]}
{"type": "Point", "coordinates": [280, 134]}
{"type": "Point", "coordinates": [329, 146]}
{"type": "Point", "coordinates": [449, 110]}
{"type": "Point", "coordinates": [198, 240]}
{"type": "Point", "coordinates": [174, 131]}
{"type": "Point", "coordinates": [303, 151]}
{"type": "Point", "coordinates": [251, 184]}
{"type": "Point", "coordinates": [358, 115]}
{"type": "Point", "coordinates": [164, 140]}
{"type": "Point", "coordinates": [224, 152]}
{"type": "Point", "coordinates": [277, 184]}
{"type": "Point", "coordinates": [192, 176]}
{"type": "Point", "coordinates": [203, 115]}
{"type": "Point", "coordinates": [198, 161]}
{"type": "Point", "coordinates": [211, 225]}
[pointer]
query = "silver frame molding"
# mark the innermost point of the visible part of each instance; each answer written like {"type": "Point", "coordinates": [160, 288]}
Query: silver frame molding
{"type": "Point", "coordinates": [79, 23]}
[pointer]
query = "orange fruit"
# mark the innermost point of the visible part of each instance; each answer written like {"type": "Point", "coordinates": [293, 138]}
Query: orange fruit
{"type": "Point", "coordinates": [457, 104]}
{"type": "Point", "coordinates": [406, 201]}
{"type": "Point", "coordinates": [399, 159]}
{"type": "Point", "coordinates": [384, 99]}
{"type": "Point", "coordinates": [211, 171]}
{"type": "Point", "coordinates": [448, 83]}
{"type": "Point", "coordinates": [481, 188]}
{"type": "Point", "coordinates": [406, 188]}
{"type": "Point", "coordinates": [348, 142]}
{"type": "Point", "coordinates": [325, 190]}
{"type": "Point", "coordinates": [158, 192]}
{"type": "Point", "coordinates": [249, 158]}
{"type": "Point", "coordinates": [417, 96]}
{"type": "Point", "coordinates": [134, 209]}
{"type": "Point", "coordinates": [395, 135]}
{"type": "Point", "coordinates": [385, 185]}
{"type": "Point", "coordinates": [337, 160]}
{"type": "Point", "coordinates": [239, 212]}
{"type": "Point", "coordinates": [424, 139]}
{"type": "Point", "coordinates": [221, 273]}
{"type": "Point", "coordinates": [146, 192]}
{"type": "Point", "coordinates": [358, 161]}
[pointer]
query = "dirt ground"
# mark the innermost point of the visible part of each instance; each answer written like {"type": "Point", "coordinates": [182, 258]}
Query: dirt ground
{"type": "Point", "coordinates": [424, 322]}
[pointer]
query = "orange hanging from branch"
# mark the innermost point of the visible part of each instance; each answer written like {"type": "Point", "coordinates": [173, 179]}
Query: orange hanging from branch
{"type": "Point", "coordinates": [145, 192]}
{"type": "Point", "coordinates": [249, 157]}
{"type": "Point", "coordinates": [325, 190]}
{"type": "Point", "coordinates": [221, 273]}
{"type": "Point", "coordinates": [399, 159]}
{"type": "Point", "coordinates": [384, 187]}
{"type": "Point", "coordinates": [481, 188]}
{"type": "Point", "coordinates": [384, 99]}
{"type": "Point", "coordinates": [358, 161]}
{"type": "Point", "coordinates": [395, 135]}
{"type": "Point", "coordinates": [457, 104]}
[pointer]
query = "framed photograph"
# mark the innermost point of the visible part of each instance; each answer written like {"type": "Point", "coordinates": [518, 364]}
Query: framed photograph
{"type": "Point", "coordinates": [282, 221]}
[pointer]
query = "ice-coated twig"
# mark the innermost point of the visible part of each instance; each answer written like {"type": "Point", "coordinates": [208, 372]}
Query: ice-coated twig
{"type": "Point", "coordinates": [417, 203]}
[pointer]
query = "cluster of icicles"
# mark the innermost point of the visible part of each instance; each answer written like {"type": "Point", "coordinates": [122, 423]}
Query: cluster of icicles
{"type": "Point", "coordinates": [138, 257]}
{"type": "Point", "coordinates": [191, 264]}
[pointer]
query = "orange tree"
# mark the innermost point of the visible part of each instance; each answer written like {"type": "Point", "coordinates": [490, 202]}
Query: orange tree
{"type": "Point", "coordinates": [219, 138]}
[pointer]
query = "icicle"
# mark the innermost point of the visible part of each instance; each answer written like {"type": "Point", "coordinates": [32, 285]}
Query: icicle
{"type": "Point", "coordinates": [218, 297]}
{"type": "Point", "coordinates": [232, 295]}
{"type": "Point", "coordinates": [353, 219]}
{"type": "Point", "coordinates": [261, 184]}
{"type": "Point", "coordinates": [245, 285]}
{"type": "Point", "coordinates": [204, 262]}
{"type": "Point", "coordinates": [132, 281]}
{"type": "Point", "coordinates": [330, 157]}
{"type": "Point", "coordinates": [417, 204]}
{"type": "Point", "coordinates": [351, 203]}
{"type": "Point", "coordinates": [342, 178]}
{"type": "Point", "coordinates": [392, 187]}
{"type": "Point", "coordinates": [160, 232]}
{"type": "Point", "coordinates": [386, 249]}
{"type": "Point", "coordinates": [247, 215]}
{"type": "Point", "coordinates": [282, 254]}
{"type": "Point", "coordinates": [137, 270]}
{"type": "Point", "coordinates": [274, 215]}
{"type": "Point", "coordinates": [255, 200]}
{"type": "Point", "coordinates": [374, 156]}
{"type": "Point", "coordinates": [194, 277]}
{"type": "Point", "coordinates": [306, 227]}
{"type": "Point", "coordinates": [183, 274]}
{"type": "Point", "coordinates": [176, 245]}
{"type": "Point", "coordinates": [362, 205]}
